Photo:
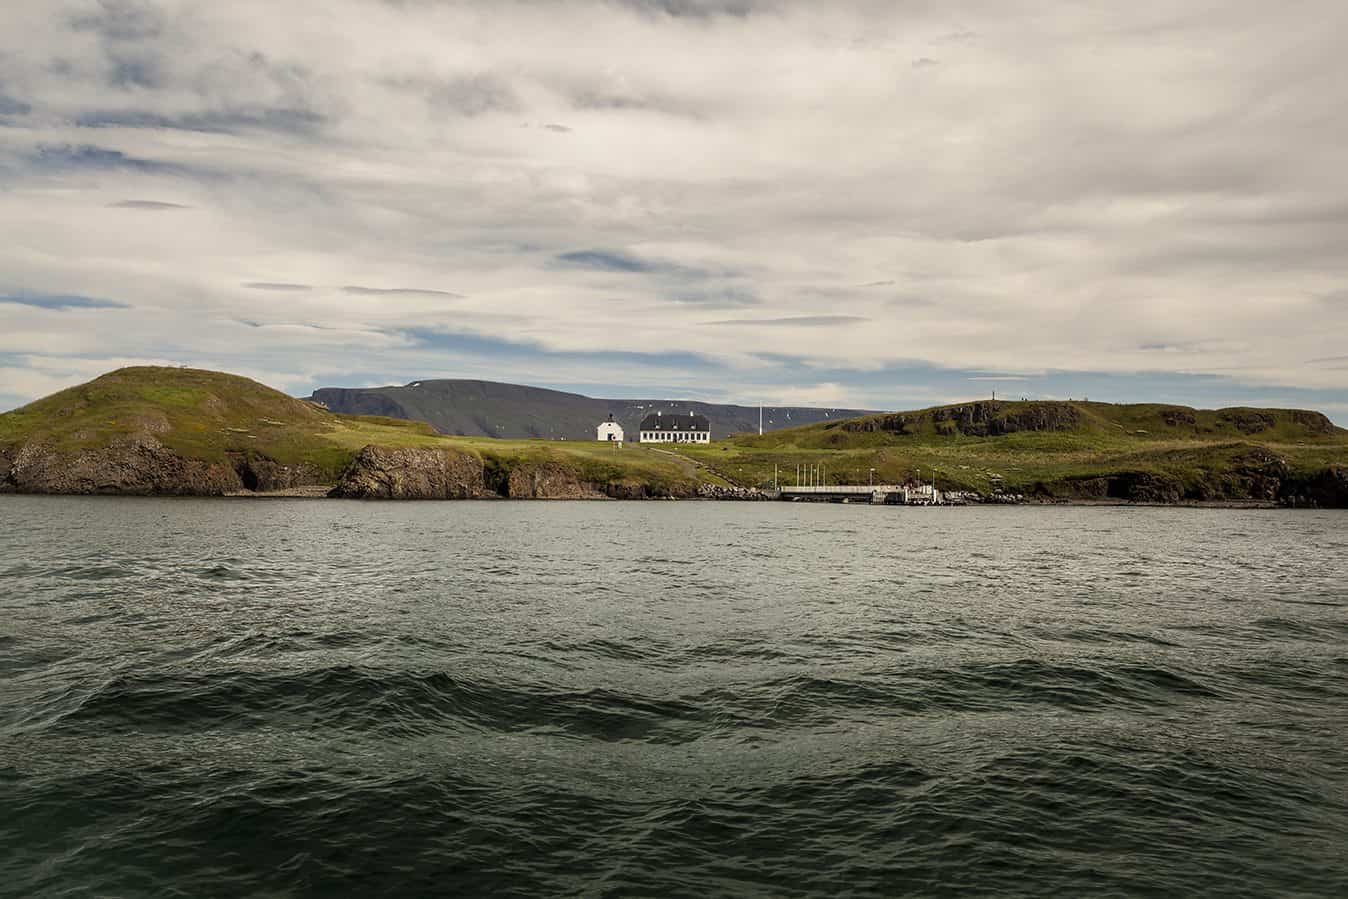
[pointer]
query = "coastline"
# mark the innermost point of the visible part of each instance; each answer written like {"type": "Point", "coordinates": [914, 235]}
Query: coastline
{"type": "Point", "coordinates": [324, 492]}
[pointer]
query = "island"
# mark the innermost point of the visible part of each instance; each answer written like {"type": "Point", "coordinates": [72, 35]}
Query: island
{"type": "Point", "coordinates": [169, 431]}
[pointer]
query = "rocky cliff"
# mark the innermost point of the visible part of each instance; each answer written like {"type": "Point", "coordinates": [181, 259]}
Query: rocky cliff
{"type": "Point", "coordinates": [381, 472]}
{"type": "Point", "coordinates": [134, 466]}
{"type": "Point", "coordinates": [1326, 489]}
{"type": "Point", "coordinates": [548, 480]}
{"type": "Point", "coordinates": [1254, 475]}
{"type": "Point", "coordinates": [139, 465]}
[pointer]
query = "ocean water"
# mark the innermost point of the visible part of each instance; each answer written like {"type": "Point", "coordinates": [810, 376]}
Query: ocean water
{"type": "Point", "coordinates": [317, 698]}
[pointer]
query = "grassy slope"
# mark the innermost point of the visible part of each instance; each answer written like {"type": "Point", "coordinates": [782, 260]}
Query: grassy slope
{"type": "Point", "coordinates": [1103, 439]}
{"type": "Point", "coordinates": [211, 415]}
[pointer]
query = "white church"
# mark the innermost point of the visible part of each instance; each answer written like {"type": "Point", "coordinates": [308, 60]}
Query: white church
{"type": "Point", "coordinates": [610, 431]}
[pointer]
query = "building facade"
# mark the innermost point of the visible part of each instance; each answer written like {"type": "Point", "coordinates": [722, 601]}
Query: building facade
{"type": "Point", "coordinates": [690, 428]}
{"type": "Point", "coordinates": [609, 431]}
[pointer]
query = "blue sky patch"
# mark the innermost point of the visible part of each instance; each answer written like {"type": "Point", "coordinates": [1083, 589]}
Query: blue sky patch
{"type": "Point", "coordinates": [58, 301]}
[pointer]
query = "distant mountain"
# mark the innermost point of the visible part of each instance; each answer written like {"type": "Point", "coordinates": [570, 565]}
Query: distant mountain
{"type": "Point", "coordinates": [488, 408]}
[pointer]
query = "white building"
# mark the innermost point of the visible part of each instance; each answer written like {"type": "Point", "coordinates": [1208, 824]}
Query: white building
{"type": "Point", "coordinates": [610, 430]}
{"type": "Point", "coordinates": [688, 428]}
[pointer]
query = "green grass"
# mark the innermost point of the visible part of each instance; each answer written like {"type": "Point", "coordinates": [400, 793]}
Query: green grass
{"type": "Point", "coordinates": [592, 461]}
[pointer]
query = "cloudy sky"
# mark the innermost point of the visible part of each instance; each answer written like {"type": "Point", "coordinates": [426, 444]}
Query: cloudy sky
{"type": "Point", "coordinates": [880, 204]}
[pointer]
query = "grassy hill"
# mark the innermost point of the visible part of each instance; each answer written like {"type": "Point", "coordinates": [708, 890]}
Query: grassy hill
{"type": "Point", "coordinates": [1067, 449]}
{"type": "Point", "coordinates": [203, 415]}
{"type": "Point", "coordinates": [513, 411]}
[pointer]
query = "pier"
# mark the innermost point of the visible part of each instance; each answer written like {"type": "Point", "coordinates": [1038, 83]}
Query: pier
{"type": "Point", "coordinates": [877, 494]}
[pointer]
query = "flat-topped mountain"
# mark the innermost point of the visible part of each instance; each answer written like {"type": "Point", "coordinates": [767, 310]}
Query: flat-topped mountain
{"type": "Point", "coordinates": [513, 411]}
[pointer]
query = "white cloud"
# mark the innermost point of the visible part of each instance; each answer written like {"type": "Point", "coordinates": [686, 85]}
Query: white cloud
{"type": "Point", "coordinates": [1094, 188]}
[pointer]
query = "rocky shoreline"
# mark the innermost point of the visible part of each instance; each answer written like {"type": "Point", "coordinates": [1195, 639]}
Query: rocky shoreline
{"type": "Point", "coordinates": [142, 466]}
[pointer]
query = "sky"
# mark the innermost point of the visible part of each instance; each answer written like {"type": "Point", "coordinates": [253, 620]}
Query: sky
{"type": "Point", "coordinates": [872, 204]}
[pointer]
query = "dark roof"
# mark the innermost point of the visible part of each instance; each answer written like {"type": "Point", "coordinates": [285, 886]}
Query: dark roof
{"type": "Point", "coordinates": [688, 422]}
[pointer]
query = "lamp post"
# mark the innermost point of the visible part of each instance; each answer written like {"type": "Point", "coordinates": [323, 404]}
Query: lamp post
{"type": "Point", "coordinates": [870, 480]}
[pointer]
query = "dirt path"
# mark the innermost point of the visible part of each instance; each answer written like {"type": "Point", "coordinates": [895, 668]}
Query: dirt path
{"type": "Point", "coordinates": [699, 470]}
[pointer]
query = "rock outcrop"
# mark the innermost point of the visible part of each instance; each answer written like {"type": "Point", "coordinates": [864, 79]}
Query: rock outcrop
{"type": "Point", "coordinates": [992, 419]}
{"type": "Point", "coordinates": [548, 480]}
{"type": "Point", "coordinates": [1179, 416]}
{"type": "Point", "coordinates": [134, 466]}
{"type": "Point", "coordinates": [893, 424]}
{"type": "Point", "coordinates": [1248, 421]}
{"type": "Point", "coordinates": [981, 419]}
{"type": "Point", "coordinates": [263, 475]}
{"type": "Point", "coordinates": [1315, 422]}
{"type": "Point", "coordinates": [1327, 489]}
{"type": "Point", "coordinates": [1129, 486]}
{"type": "Point", "coordinates": [381, 472]}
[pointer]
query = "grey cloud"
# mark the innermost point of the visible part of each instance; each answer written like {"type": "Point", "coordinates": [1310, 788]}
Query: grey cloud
{"type": "Point", "coordinates": [717, 298]}
{"type": "Point", "coordinates": [308, 326]}
{"type": "Point", "coordinates": [59, 301]}
{"type": "Point", "coordinates": [561, 129]}
{"type": "Point", "coordinates": [925, 62]}
{"type": "Point", "coordinates": [909, 300]}
{"type": "Point", "coordinates": [694, 8]}
{"type": "Point", "coordinates": [13, 106]}
{"type": "Point", "coordinates": [607, 260]}
{"type": "Point", "coordinates": [292, 121]}
{"type": "Point", "coordinates": [122, 20]}
{"type": "Point", "coordinates": [879, 284]}
{"type": "Point", "coordinates": [961, 36]}
{"type": "Point", "coordinates": [87, 156]}
{"type": "Point", "coordinates": [604, 98]}
{"type": "Point", "coordinates": [280, 286]}
{"type": "Point", "coordinates": [401, 291]}
{"type": "Point", "coordinates": [146, 204]}
{"type": "Point", "coordinates": [600, 100]}
{"type": "Point", "coordinates": [810, 321]}
{"type": "Point", "coordinates": [135, 72]}
{"type": "Point", "coordinates": [622, 262]}
{"type": "Point", "coordinates": [474, 95]}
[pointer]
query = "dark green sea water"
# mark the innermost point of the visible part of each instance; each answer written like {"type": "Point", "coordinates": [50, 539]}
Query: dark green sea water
{"type": "Point", "coordinates": [318, 698]}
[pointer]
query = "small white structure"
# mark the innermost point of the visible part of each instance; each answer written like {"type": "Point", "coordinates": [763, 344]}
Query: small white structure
{"type": "Point", "coordinates": [610, 431]}
{"type": "Point", "coordinates": [690, 428]}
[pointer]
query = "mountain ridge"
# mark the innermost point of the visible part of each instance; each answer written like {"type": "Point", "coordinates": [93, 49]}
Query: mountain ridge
{"type": "Point", "coordinates": [472, 407]}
